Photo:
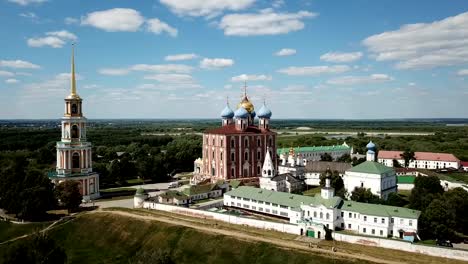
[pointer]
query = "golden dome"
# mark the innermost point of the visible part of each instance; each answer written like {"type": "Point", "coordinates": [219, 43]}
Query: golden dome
{"type": "Point", "coordinates": [246, 104]}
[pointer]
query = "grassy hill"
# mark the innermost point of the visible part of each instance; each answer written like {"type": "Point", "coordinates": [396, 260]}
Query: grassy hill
{"type": "Point", "coordinates": [107, 238]}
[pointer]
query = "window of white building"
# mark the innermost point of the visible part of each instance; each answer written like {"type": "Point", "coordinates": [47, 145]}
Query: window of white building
{"type": "Point", "coordinates": [364, 230]}
{"type": "Point", "coordinates": [365, 218]}
{"type": "Point", "coordinates": [410, 222]}
{"type": "Point", "coordinates": [383, 220]}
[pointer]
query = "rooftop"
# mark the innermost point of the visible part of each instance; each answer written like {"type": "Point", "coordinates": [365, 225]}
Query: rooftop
{"type": "Point", "coordinates": [371, 167]}
{"type": "Point", "coordinates": [174, 194]}
{"type": "Point", "coordinates": [285, 176]}
{"type": "Point", "coordinates": [282, 198]}
{"type": "Point", "coordinates": [315, 149]}
{"type": "Point", "coordinates": [322, 166]}
{"type": "Point", "coordinates": [379, 210]}
{"type": "Point", "coordinates": [199, 189]}
{"type": "Point", "coordinates": [392, 154]}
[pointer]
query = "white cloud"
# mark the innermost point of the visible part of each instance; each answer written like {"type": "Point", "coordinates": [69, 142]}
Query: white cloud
{"type": "Point", "coordinates": [116, 19]}
{"type": "Point", "coordinates": [54, 42]}
{"type": "Point", "coordinates": [352, 80]}
{"type": "Point", "coordinates": [54, 39]}
{"type": "Point", "coordinates": [180, 57]}
{"type": "Point", "coordinates": [11, 81]}
{"type": "Point", "coordinates": [411, 84]}
{"type": "Point", "coordinates": [209, 8]}
{"type": "Point", "coordinates": [18, 64]}
{"type": "Point", "coordinates": [423, 45]}
{"type": "Point", "coordinates": [246, 77]}
{"type": "Point", "coordinates": [341, 57]}
{"type": "Point", "coordinates": [63, 34]}
{"type": "Point", "coordinates": [462, 72]}
{"type": "Point", "coordinates": [157, 26]}
{"type": "Point", "coordinates": [277, 3]}
{"type": "Point", "coordinates": [171, 78]}
{"type": "Point", "coordinates": [71, 20]}
{"type": "Point", "coordinates": [27, 2]}
{"type": "Point", "coordinates": [216, 63]}
{"type": "Point", "coordinates": [162, 68]}
{"type": "Point", "coordinates": [113, 72]}
{"type": "Point", "coordinates": [314, 70]}
{"type": "Point", "coordinates": [6, 74]}
{"type": "Point", "coordinates": [29, 15]}
{"type": "Point", "coordinates": [56, 87]}
{"type": "Point", "coordinates": [285, 52]}
{"type": "Point", "coordinates": [266, 22]}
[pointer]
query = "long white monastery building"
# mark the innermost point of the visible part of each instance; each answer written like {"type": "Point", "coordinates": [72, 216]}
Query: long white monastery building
{"type": "Point", "coordinates": [316, 213]}
{"type": "Point", "coordinates": [423, 160]}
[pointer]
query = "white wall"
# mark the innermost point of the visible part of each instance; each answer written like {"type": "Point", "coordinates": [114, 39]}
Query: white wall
{"type": "Point", "coordinates": [375, 182]}
{"type": "Point", "coordinates": [423, 164]}
{"type": "Point", "coordinates": [280, 227]}
{"type": "Point", "coordinates": [402, 245]}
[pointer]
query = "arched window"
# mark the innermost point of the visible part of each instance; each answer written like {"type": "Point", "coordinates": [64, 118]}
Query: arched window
{"type": "Point", "coordinates": [74, 109]}
{"type": "Point", "coordinates": [328, 216]}
{"type": "Point", "coordinates": [74, 131]}
{"type": "Point", "coordinates": [259, 155]}
{"type": "Point", "coordinates": [232, 157]}
{"type": "Point", "coordinates": [246, 156]}
{"type": "Point", "coordinates": [258, 170]}
{"type": "Point", "coordinates": [76, 160]}
{"type": "Point", "coordinates": [269, 172]}
{"type": "Point", "coordinates": [213, 171]}
{"type": "Point", "coordinates": [232, 172]}
{"type": "Point", "coordinates": [258, 142]}
{"type": "Point", "coordinates": [315, 214]}
{"type": "Point", "coordinates": [212, 155]}
{"type": "Point", "coordinates": [321, 215]}
{"type": "Point", "coordinates": [246, 142]}
{"type": "Point", "coordinates": [246, 172]}
{"type": "Point", "coordinates": [221, 156]}
{"type": "Point", "coordinates": [233, 144]}
{"type": "Point", "coordinates": [269, 142]}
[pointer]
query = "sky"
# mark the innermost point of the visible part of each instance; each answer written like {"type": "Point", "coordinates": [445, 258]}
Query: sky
{"type": "Point", "coordinates": [328, 59]}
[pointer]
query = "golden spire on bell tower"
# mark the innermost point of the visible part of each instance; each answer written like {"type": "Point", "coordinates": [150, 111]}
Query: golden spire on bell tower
{"type": "Point", "coordinates": [73, 79]}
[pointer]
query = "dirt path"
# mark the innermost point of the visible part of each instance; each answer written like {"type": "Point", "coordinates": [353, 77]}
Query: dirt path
{"type": "Point", "coordinates": [243, 236]}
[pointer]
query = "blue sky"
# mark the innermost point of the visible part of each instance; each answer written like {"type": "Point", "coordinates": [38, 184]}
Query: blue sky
{"type": "Point", "coordinates": [183, 58]}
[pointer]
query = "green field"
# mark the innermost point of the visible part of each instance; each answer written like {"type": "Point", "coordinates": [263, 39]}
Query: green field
{"type": "Point", "coordinates": [117, 239]}
{"type": "Point", "coordinates": [9, 230]}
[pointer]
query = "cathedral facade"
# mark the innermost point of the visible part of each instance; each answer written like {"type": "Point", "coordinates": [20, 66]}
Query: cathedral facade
{"type": "Point", "coordinates": [74, 153]}
{"type": "Point", "coordinates": [236, 150]}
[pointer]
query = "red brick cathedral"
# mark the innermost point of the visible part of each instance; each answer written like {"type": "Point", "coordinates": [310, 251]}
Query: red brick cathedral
{"type": "Point", "coordinates": [236, 150]}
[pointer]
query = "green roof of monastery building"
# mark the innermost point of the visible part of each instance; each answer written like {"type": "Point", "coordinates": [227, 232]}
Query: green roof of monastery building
{"type": "Point", "coordinates": [406, 179]}
{"type": "Point", "coordinates": [371, 167]}
{"type": "Point", "coordinates": [294, 201]}
{"type": "Point", "coordinates": [314, 149]}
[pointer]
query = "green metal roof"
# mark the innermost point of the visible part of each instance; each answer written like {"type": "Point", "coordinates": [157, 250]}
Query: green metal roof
{"type": "Point", "coordinates": [294, 201]}
{"type": "Point", "coordinates": [314, 149]}
{"type": "Point", "coordinates": [379, 210]}
{"type": "Point", "coordinates": [174, 194]}
{"type": "Point", "coordinates": [406, 179]}
{"type": "Point", "coordinates": [198, 189]}
{"type": "Point", "coordinates": [371, 167]}
{"type": "Point", "coordinates": [140, 191]}
{"type": "Point", "coordinates": [234, 183]}
{"type": "Point", "coordinates": [282, 198]}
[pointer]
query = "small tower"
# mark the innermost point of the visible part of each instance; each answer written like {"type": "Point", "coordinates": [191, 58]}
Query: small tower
{"type": "Point", "coordinates": [283, 158]}
{"type": "Point", "coordinates": [241, 118]}
{"type": "Point", "coordinates": [292, 155]}
{"type": "Point", "coordinates": [328, 191]}
{"type": "Point", "coordinates": [268, 169]}
{"type": "Point", "coordinates": [299, 160]}
{"type": "Point", "coordinates": [140, 196]}
{"type": "Point", "coordinates": [264, 115]}
{"type": "Point", "coordinates": [226, 115]}
{"type": "Point", "coordinates": [371, 151]}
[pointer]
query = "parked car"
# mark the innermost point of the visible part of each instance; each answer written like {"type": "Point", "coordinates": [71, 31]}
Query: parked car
{"type": "Point", "coordinates": [173, 185]}
{"type": "Point", "coordinates": [444, 243]}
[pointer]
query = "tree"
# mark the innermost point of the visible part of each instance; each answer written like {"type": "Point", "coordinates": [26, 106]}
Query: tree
{"type": "Point", "coordinates": [345, 158]}
{"type": "Point", "coordinates": [38, 248]}
{"type": "Point", "coordinates": [425, 190]}
{"type": "Point", "coordinates": [357, 161]}
{"type": "Point", "coordinates": [24, 191]}
{"type": "Point", "coordinates": [457, 201]}
{"type": "Point", "coordinates": [438, 220]}
{"type": "Point", "coordinates": [394, 199]}
{"type": "Point", "coordinates": [68, 193]}
{"type": "Point", "coordinates": [335, 181]}
{"type": "Point", "coordinates": [363, 195]}
{"type": "Point", "coordinates": [326, 157]}
{"type": "Point", "coordinates": [408, 156]}
{"type": "Point", "coordinates": [396, 164]}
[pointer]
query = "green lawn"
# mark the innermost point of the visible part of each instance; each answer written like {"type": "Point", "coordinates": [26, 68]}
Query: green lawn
{"type": "Point", "coordinates": [117, 239]}
{"type": "Point", "coordinates": [9, 230]}
{"type": "Point", "coordinates": [120, 189]}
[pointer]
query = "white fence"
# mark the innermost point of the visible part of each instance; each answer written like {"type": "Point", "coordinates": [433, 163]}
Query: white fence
{"type": "Point", "coordinates": [280, 227]}
{"type": "Point", "coordinates": [402, 245]}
